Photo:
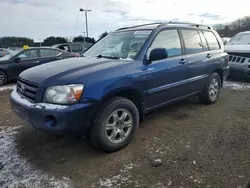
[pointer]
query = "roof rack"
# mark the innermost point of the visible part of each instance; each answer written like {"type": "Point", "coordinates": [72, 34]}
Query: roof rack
{"type": "Point", "coordinates": [186, 23]}
{"type": "Point", "coordinates": [139, 25]}
{"type": "Point", "coordinates": [167, 23]}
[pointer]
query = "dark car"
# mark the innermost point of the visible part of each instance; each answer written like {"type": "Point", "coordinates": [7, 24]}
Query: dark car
{"type": "Point", "coordinates": [123, 76]}
{"type": "Point", "coordinates": [11, 65]}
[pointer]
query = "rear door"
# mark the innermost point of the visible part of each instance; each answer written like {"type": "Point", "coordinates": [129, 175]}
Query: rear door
{"type": "Point", "coordinates": [48, 55]}
{"type": "Point", "coordinates": [166, 78]}
{"type": "Point", "coordinates": [196, 50]}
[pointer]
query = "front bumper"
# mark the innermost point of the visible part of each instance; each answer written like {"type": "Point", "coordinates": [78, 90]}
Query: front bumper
{"type": "Point", "coordinates": [65, 119]}
{"type": "Point", "coordinates": [240, 71]}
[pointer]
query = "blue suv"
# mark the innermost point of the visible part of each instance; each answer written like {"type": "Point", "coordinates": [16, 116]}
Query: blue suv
{"type": "Point", "coordinates": [128, 73]}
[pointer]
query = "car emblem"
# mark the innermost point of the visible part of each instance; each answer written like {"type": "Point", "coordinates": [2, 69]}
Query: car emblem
{"type": "Point", "coordinates": [22, 89]}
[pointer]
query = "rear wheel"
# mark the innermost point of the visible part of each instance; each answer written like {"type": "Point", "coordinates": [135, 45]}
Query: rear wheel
{"type": "Point", "coordinates": [115, 124]}
{"type": "Point", "coordinates": [211, 92]}
{"type": "Point", "coordinates": [3, 78]}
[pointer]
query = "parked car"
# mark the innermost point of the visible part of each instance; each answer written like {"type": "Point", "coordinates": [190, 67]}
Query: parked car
{"type": "Point", "coordinates": [14, 63]}
{"type": "Point", "coordinates": [3, 52]}
{"type": "Point", "coordinates": [238, 49]}
{"type": "Point", "coordinates": [123, 76]}
{"type": "Point", "coordinates": [74, 47]}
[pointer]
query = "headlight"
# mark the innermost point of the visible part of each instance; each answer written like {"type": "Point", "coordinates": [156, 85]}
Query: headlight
{"type": "Point", "coordinates": [65, 94]}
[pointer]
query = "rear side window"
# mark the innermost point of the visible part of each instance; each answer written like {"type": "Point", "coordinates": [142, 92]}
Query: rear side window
{"type": "Point", "coordinates": [168, 39]}
{"type": "Point", "coordinates": [212, 41]}
{"type": "Point", "coordinates": [203, 40]}
{"type": "Point", "coordinates": [48, 52]}
{"type": "Point", "coordinates": [192, 41]}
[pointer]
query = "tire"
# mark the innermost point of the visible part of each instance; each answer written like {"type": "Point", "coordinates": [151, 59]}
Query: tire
{"type": "Point", "coordinates": [206, 96]}
{"type": "Point", "coordinates": [114, 107]}
{"type": "Point", "coordinates": [3, 78]}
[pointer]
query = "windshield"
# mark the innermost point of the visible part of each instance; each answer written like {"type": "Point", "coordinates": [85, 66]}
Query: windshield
{"type": "Point", "coordinates": [241, 38]}
{"type": "Point", "coordinates": [9, 55]}
{"type": "Point", "coordinates": [119, 45]}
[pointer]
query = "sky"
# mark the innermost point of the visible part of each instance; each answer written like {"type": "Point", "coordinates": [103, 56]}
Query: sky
{"type": "Point", "coordinates": [39, 19]}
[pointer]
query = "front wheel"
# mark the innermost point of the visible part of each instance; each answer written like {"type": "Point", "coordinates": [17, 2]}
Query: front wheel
{"type": "Point", "coordinates": [115, 124]}
{"type": "Point", "coordinates": [3, 78]}
{"type": "Point", "coordinates": [211, 92]}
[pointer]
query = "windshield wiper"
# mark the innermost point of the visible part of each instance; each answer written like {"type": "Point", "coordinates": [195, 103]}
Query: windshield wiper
{"type": "Point", "coordinates": [108, 57]}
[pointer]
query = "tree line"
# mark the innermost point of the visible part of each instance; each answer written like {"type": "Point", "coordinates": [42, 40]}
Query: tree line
{"type": "Point", "coordinates": [229, 30]}
{"type": "Point", "coordinates": [6, 42]}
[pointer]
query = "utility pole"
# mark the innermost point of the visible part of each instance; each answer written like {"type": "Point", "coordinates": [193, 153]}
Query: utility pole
{"type": "Point", "coordinates": [84, 38]}
{"type": "Point", "coordinates": [86, 20]}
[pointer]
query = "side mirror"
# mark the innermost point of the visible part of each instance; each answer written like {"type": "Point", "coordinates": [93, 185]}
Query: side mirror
{"type": "Point", "coordinates": [158, 54]}
{"type": "Point", "coordinates": [17, 59]}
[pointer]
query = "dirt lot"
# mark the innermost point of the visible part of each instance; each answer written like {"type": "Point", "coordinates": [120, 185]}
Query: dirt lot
{"type": "Point", "coordinates": [200, 146]}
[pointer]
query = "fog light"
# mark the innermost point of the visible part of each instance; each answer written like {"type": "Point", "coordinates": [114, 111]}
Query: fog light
{"type": "Point", "coordinates": [50, 121]}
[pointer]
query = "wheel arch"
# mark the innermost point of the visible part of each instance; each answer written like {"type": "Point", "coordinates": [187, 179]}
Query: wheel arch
{"type": "Point", "coordinates": [220, 72]}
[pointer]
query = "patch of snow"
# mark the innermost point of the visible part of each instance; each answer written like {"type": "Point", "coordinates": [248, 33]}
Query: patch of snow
{"type": "Point", "coordinates": [16, 171]}
{"type": "Point", "coordinates": [8, 87]}
{"type": "Point", "coordinates": [170, 182]}
{"type": "Point", "coordinates": [236, 85]}
{"type": "Point", "coordinates": [47, 106]}
{"type": "Point", "coordinates": [117, 181]}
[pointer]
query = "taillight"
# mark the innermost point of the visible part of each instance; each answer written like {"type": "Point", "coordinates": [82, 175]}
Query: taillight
{"type": "Point", "coordinates": [76, 54]}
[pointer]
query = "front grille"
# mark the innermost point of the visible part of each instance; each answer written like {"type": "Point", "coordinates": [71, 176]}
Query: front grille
{"type": "Point", "coordinates": [239, 57]}
{"type": "Point", "coordinates": [27, 89]}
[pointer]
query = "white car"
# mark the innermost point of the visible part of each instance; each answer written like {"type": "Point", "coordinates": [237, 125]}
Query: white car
{"type": "Point", "coordinates": [238, 49]}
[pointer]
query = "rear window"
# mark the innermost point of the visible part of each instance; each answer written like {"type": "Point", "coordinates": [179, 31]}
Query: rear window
{"type": "Point", "coordinates": [192, 41]}
{"type": "Point", "coordinates": [211, 40]}
{"type": "Point", "coordinates": [76, 47]}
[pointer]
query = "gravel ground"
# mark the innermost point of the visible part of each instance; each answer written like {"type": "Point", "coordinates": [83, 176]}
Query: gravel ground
{"type": "Point", "coordinates": [183, 145]}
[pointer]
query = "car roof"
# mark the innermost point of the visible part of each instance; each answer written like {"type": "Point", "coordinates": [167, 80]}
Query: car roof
{"type": "Point", "coordinates": [45, 47]}
{"type": "Point", "coordinates": [152, 26]}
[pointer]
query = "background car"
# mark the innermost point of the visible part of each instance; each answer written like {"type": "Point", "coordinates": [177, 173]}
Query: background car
{"type": "Point", "coordinates": [74, 47]}
{"type": "Point", "coordinates": [11, 65]}
{"type": "Point", "coordinates": [238, 49]}
{"type": "Point", "coordinates": [3, 52]}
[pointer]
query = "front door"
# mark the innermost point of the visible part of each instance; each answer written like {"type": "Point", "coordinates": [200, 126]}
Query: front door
{"type": "Point", "coordinates": [167, 78]}
{"type": "Point", "coordinates": [28, 58]}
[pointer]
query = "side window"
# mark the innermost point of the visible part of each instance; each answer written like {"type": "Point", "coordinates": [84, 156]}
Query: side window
{"type": "Point", "coordinates": [192, 41]}
{"type": "Point", "coordinates": [47, 52]}
{"type": "Point", "coordinates": [168, 39]}
{"type": "Point", "coordinates": [212, 41]}
{"type": "Point", "coordinates": [203, 40]}
{"type": "Point", "coordinates": [28, 54]}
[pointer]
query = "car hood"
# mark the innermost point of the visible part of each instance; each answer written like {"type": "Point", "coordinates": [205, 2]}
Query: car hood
{"type": "Point", "coordinates": [242, 48]}
{"type": "Point", "coordinates": [69, 71]}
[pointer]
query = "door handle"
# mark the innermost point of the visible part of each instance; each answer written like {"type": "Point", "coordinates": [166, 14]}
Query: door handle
{"type": "Point", "coordinates": [209, 56]}
{"type": "Point", "coordinates": [59, 57]}
{"type": "Point", "coordinates": [183, 61]}
{"type": "Point", "coordinates": [37, 61]}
